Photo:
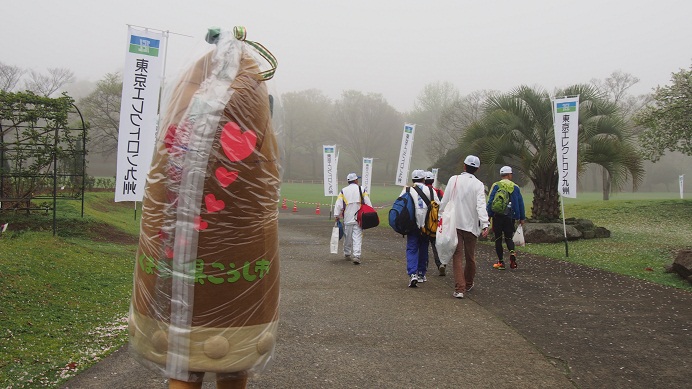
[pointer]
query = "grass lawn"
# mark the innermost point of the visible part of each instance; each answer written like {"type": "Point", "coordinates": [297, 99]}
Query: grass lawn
{"type": "Point", "coordinates": [64, 299]}
{"type": "Point", "coordinates": [645, 235]}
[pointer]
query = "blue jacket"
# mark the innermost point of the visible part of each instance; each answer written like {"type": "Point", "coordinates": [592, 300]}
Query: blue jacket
{"type": "Point", "coordinates": [518, 212]}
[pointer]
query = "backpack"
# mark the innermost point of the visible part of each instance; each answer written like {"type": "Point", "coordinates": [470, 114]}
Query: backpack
{"type": "Point", "coordinates": [432, 215]}
{"type": "Point", "coordinates": [402, 216]}
{"type": "Point", "coordinates": [500, 204]}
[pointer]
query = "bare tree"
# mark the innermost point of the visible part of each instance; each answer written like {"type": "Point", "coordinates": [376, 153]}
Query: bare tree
{"type": "Point", "coordinates": [367, 126]}
{"type": "Point", "coordinates": [615, 88]}
{"type": "Point", "coordinates": [10, 76]}
{"type": "Point", "coordinates": [305, 123]}
{"type": "Point", "coordinates": [101, 109]}
{"type": "Point", "coordinates": [458, 116]}
{"type": "Point", "coordinates": [430, 105]}
{"type": "Point", "coordinates": [616, 85]}
{"type": "Point", "coordinates": [47, 84]}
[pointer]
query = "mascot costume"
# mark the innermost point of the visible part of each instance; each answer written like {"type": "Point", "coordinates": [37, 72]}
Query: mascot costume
{"type": "Point", "coordinates": [206, 281]}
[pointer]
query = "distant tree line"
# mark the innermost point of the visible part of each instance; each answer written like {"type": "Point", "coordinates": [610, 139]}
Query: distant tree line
{"type": "Point", "coordinates": [621, 135]}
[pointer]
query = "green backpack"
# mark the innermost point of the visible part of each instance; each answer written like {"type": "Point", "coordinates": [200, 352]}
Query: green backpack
{"type": "Point", "coordinates": [500, 204]}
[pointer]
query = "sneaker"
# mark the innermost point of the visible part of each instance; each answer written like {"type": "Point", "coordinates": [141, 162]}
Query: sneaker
{"type": "Point", "coordinates": [512, 261]}
{"type": "Point", "coordinates": [499, 266]}
{"type": "Point", "coordinates": [422, 278]}
{"type": "Point", "coordinates": [356, 260]}
{"type": "Point", "coordinates": [458, 295]}
{"type": "Point", "coordinates": [468, 289]}
{"type": "Point", "coordinates": [347, 257]}
{"type": "Point", "coordinates": [443, 270]}
{"type": "Point", "coordinates": [413, 281]}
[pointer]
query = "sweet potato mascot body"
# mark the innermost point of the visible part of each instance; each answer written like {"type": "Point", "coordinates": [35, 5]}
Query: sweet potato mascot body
{"type": "Point", "coordinates": [206, 281]}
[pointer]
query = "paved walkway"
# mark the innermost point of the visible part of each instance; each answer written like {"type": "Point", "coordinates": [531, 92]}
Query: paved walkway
{"type": "Point", "coordinates": [547, 324]}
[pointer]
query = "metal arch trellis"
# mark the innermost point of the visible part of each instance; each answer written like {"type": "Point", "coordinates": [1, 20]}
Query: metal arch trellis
{"type": "Point", "coordinates": [42, 153]}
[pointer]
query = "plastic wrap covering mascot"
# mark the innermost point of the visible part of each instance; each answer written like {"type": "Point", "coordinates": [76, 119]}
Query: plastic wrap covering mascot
{"type": "Point", "coordinates": [206, 281]}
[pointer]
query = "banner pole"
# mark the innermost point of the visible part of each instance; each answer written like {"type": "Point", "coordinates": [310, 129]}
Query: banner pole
{"type": "Point", "coordinates": [564, 225]}
{"type": "Point", "coordinates": [682, 186]}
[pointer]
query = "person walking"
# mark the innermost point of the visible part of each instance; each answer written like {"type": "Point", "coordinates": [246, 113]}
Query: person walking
{"type": "Point", "coordinates": [417, 242]}
{"type": "Point", "coordinates": [505, 207]}
{"type": "Point", "coordinates": [468, 195]}
{"type": "Point", "coordinates": [429, 180]}
{"type": "Point", "coordinates": [347, 205]}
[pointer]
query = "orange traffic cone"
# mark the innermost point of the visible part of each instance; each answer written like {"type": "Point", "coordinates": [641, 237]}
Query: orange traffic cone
{"type": "Point", "coordinates": [283, 205]}
{"type": "Point", "coordinates": [317, 211]}
{"type": "Point", "coordinates": [295, 207]}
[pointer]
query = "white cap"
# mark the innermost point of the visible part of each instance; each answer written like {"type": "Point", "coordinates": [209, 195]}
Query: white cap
{"type": "Point", "coordinates": [418, 175]}
{"type": "Point", "coordinates": [472, 160]}
{"type": "Point", "coordinates": [505, 170]}
{"type": "Point", "coordinates": [429, 176]}
{"type": "Point", "coordinates": [352, 177]}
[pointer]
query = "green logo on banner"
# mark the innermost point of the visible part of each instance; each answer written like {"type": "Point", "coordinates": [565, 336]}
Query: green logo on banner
{"type": "Point", "coordinates": [145, 46]}
{"type": "Point", "coordinates": [145, 50]}
{"type": "Point", "coordinates": [570, 106]}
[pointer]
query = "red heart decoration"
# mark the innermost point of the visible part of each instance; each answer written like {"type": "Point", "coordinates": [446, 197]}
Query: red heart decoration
{"type": "Point", "coordinates": [225, 177]}
{"type": "Point", "coordinates": [200, 224]}
{"type": "Point", "coordinates": [237, 145]}
{"type": "Point", "coordinates": [213, 205]}
{"type": "Point", "coordinates": [169, 252]}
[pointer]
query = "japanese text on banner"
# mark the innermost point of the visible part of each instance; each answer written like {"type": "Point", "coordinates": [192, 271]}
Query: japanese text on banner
{"type": "Point", "coordinates": [405, 155]}
{"type": "Point", "coordinates": [366, 181]}
{"type": "Point", "coordinates": [331, 187]}
{"type": "Point", "coordinates": [566, 126]}
{"type": "Point", "coordinates": [139, 112]}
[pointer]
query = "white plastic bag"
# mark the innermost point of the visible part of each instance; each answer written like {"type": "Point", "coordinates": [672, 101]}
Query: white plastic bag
{"type": "Point", "coordinates": [446, 241]}
{"type": "Point", "coordinates": [518, 237]}
{"type": "Point", "coordinates": [334, 243]}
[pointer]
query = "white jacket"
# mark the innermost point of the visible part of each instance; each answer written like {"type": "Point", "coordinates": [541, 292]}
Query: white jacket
{"type": "Point", "coordinates": [421, 208]}
{"type": "Point", "coordinates": [468, 194]}
{"type": "Point", "coordinates": [348, 202]}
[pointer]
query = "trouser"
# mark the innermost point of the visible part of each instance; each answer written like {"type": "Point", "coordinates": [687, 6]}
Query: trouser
{"type": "Point", "coordinates": [436, 257]}
{"type": "Point", "coordinates": [464, 273]}
{"type": "Point", "coordinates": [353, 239]}
{"type": "Point", "coordinates": [417, 253]}
{"type": "Point", "coordinates": [503, 225]}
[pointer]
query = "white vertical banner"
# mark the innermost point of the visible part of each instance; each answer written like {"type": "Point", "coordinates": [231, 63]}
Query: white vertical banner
{"type": "Point", "coordinates": [329, 156]}
{"type": "Point", "coordinates": [139, 105]}
{"type": "Point", "coordinates": [405, 155]}
{"type": "Point", "coordinates": [366, 176]}
{"type": "Point", "coordinates": [682, 186]}
{"type": "Point", "coordinates": [566, 125]}
{"type": "Point", "coordinates": [434, 171]}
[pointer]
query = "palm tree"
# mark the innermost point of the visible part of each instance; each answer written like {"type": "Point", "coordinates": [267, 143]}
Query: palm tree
{"type": "Point", "coordinates": [517, 130]}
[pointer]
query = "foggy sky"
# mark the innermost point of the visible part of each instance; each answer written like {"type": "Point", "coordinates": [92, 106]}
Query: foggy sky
{"type": "Point", "coordinates": [392, 47]}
